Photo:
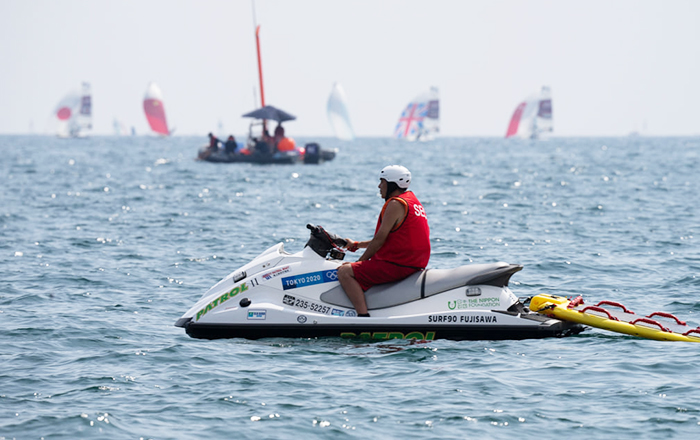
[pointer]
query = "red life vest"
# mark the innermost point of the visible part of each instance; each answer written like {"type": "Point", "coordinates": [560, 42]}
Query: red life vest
{"type": "Point", "coordinates": [408, 243]}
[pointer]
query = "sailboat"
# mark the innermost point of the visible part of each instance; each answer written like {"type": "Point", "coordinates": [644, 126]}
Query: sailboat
{"type": "Point", "coordinates": [155, 111]}
{"type": "Point", "coordinates": [74, 113]}
{"type": "Point", "coordinates": [338, 114]}
{"type": "Point", "coordinates": [532, 118]}
{"type": "Point", "coordinates": [420, 120]}
{"type": "Point", "coordinates": [120, 128]}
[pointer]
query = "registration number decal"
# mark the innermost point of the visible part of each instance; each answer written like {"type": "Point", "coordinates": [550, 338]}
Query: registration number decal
{"type": "Point", "coordinates": [306, 305]}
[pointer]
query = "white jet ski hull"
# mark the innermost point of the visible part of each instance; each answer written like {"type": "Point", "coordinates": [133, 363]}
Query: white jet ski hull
{"type": "Point", "coordinates": [298, 296]}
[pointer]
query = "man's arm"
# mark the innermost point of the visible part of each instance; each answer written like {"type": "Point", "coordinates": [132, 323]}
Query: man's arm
{"type": "Point", "coordinates": [393, 214]}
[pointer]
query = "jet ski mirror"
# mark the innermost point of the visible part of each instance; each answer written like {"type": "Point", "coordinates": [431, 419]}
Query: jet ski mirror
{"type": "Point", "coordinates": [323, 242]}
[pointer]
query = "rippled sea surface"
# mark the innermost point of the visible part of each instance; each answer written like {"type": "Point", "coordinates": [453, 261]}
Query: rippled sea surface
{"type": "Point", "coordinates": [106, 241]}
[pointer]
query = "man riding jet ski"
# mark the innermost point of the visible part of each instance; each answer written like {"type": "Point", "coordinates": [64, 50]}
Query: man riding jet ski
{"type": "Point", "coordinates": [312, 294]}
{"type": "Point", "coordinates": [401, 242]}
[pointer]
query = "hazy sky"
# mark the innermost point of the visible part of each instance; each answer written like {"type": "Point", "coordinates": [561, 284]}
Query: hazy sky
{"type": "Point", "coordinates": [614, 66]}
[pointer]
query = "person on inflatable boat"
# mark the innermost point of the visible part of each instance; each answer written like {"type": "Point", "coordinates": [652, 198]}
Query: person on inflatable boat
{"type": "Point", "coordinates": [401, 242]}
{"type": "Point", "coordinates": [213, 147]}
{"type": "Point", "coordinates": [283, 143]}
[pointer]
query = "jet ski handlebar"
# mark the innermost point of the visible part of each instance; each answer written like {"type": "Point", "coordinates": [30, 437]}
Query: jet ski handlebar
{"type": "Point", "coordinates": [322, 242]}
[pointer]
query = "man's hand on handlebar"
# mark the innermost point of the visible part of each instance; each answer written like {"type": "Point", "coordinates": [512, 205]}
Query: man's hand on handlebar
{"type": "Point", "coordinates": [352, 245]}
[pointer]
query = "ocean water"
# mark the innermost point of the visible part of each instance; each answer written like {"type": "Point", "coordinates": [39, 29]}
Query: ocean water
{"type": "Point", "coordinates": [106, 241]}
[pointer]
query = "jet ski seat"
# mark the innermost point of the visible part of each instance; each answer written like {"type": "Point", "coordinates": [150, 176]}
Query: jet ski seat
{"type": "Point", "coordinates": [427, 283]}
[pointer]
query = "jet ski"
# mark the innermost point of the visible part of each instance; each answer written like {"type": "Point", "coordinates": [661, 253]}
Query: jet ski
{"type": "Point", "coordinates": [280, 294]}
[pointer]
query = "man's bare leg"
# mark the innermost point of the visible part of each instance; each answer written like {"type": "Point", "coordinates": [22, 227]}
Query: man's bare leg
{"type": "Point", "coordinates": [352, 288]}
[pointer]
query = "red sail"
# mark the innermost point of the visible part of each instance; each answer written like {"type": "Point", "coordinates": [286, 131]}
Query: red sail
{"type": "Point", "coordinates": [515, 120]}
{"type": "Point", "coordinates": [155, 113]}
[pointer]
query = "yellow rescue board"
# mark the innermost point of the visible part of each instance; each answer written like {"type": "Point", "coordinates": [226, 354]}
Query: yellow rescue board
{"type": "Point", "coordinates": [616, 318]}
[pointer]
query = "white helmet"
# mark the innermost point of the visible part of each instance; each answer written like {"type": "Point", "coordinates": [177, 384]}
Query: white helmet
{"type": "Point", "coordinates": [397, 174]}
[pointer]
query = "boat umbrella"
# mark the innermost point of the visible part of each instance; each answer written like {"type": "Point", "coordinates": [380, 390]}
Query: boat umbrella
{"type": "Point", "coordinates": [271, 113]}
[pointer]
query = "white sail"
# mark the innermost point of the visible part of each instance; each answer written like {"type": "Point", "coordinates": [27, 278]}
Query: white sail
{"type": "Point", "coordinates": [338, 114]}
{"type": "Point", "coordinates": [420, 120]}
{"type": "Point", "coordinates": [544, 123]}
{"type": "Point", "coordinates": [66, 113]}
{"type": "Point", "coordinates": [74, 113]}
{"type": "Point", "coordinates": [84, 119]}
{"type": "Point", "coordinates": [532, 118]}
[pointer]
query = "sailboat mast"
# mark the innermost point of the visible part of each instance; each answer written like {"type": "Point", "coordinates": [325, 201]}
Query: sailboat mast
{"type": "Point", "coordinates": [262, 90]}
{"type": "Point", "coordinates": [260, 75]}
